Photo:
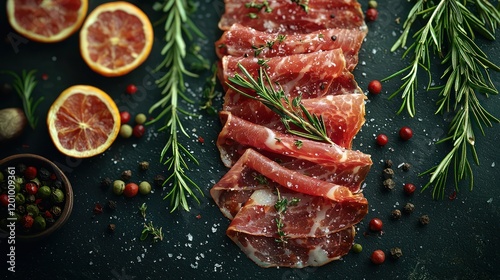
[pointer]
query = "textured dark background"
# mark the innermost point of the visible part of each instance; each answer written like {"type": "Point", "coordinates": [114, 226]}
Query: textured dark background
{"type": "Point", "coordinates": [461, 241]}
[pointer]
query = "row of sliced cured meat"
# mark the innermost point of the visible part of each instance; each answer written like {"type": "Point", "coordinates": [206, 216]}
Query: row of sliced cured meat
{"type": "Point", "coordinates": [309, 54]}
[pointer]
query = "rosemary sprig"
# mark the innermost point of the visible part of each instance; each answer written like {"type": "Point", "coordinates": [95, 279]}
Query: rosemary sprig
{"type": "Point", "coordinates": [449, 31]}
{"type": "Point", "coordinates": [24, 86]}
{"type": "Point", "coordinates": [177, 26]}
{"type": "Point", "coordinates": [291, 112]}
{"type": "Point", "coordinates": [149, 228]}
{"type": "Point", "coordinates": [281, 205]}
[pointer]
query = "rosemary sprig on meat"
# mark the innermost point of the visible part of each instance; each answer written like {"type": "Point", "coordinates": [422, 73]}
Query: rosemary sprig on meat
{"type": "Point", "coordinates": [281, 205]}
{"type": "Point", "coordinates": [449, 29]}
{"type": "Point", "coordinates": [291, 112]}
{"type": "Point", "coordinates": [24, 85]}
{"type": "Point", "coordinates": [175, 155]}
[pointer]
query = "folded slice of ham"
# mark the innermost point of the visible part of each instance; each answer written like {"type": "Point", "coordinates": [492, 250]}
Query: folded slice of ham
{"type": "Point", "coordinates": [288, 17]}
{"type": "Point", "coordinates": [244, 41]}
{"type": "Point", "coordinates": [318, 228]}
{"type": "Point", "coordinates": [330, 162]}
{"type": "Point", "coordinates": [308, 75]}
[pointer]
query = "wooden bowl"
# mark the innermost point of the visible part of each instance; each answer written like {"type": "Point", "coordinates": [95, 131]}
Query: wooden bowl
{"type": "Point", "coordinates": [38, 161]}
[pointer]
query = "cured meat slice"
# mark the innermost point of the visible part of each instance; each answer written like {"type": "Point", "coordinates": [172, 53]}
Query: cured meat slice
{"type": "Point", "coordinates": [286, 17]}
{"type": "Point", "coordinates": [343, 114]}
{"type": "Point", "coordinates": [332, 162]}
{"type": "Point", "coordinates": [318, 228]}
{"type": "Point", "coordinates": [245, 177]}
{"type": "Point", "coordinates": [308, 75]}
{"type": "Point", "coordinates": [245, 41]}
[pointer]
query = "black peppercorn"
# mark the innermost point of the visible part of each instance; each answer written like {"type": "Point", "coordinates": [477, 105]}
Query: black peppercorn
{"type": "Point", "coordinates": [396, 214]}
{"type": "Point", "coordinates": [144, 165]}
{"type": "Point", "coordinates": [58, 184]}
{"type": "Point", "coordinates": [106, 183]}
{"type": "Point", "coordinates": [111, 228]}
{"type": "Point", "coordinates": [396, 253]}
{"type": "Point", "coordinates": [388, 173]}
{"type": "Point", "coordinates": [112, 204]}
{"type": "Point", "coordinates": [424, 220]}
{"type": "Point", "coordinates": [56, 211]}
{"type": "Point", "coordinates": [332, 16]}
{"type": "Point", "coordinates": [406, 166]}
{"type": "Point", "coordinates": [409, 208]}
{"type": "Point", "coordinates": [389, 184]}
{"type": "Point", "coordinates": [388, 163]}
{"type": "Point", "coordinates": [21, 168]}
{"type": "Point", "coordinates": [159, 179]}
{"type": "Point", "coordinates": [126, 175]}
{"type": "Point", "coordinates": [334, 38]}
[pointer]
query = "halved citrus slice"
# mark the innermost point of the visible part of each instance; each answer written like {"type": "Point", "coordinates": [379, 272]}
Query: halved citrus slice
{"type": "Point", "coordinates": [83, 121]}
{"type": "Point", "coordinates": [46, 21]}
{"type": "Point", "coordinates": [116, 38]}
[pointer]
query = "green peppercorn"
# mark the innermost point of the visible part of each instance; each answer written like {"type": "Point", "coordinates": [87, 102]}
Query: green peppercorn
{"type": "Point", "coordinates": [357, 248]}
{"type": "Point", "coordinates": [56, 211]}
{"type": "Point", "coordinates": [126, 131]}
{"type": "Point", "coordinates": [144, 187]}
{"type": "Point", "coordinates": [372, 4]}
{"type": "Point", "coordinates": [20, 199]}
{"type": "Point", "coordinates": [44, 192]}
{"type": "Point", "coordinates": [33, 210]}
{"type": "Point", "coordinates": [57, 196]}
{"type": "Point", "coordinates": [39, 223]}
{"type": "Point", "coordinates": [140, 118]}
{"type": "Point", "coordinates": [118, 187]}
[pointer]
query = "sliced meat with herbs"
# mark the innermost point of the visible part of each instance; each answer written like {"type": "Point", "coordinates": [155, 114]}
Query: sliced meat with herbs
{"type": "Point", "coordinates": [287, 17]}
{"type": "Point", "coordinates": [245, 41]}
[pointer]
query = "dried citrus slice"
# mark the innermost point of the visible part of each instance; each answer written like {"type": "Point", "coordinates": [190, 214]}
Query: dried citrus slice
{"type": "Point", "coordinates": [46, 21]}
{"type": "Point", "coordinates": [116, 38]}
{"type": "Point", "coordinates": [83, 121]}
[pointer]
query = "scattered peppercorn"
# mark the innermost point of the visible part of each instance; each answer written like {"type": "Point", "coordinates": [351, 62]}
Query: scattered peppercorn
{"type": "Point", "coordinates": [396, 253]}
{"type": "Point", "coordinates": [405, 133]}
{"type": "Point", "coordinates": [388, 173]}
{"type": "Point", "coordinates": [159, 179]}
{"type": "Point", "coordinates": [374, 87]}
{"type": "Point", "coordinates": [106, 183]}
{"type": "Point", "coordinates": [378, 257]}
{"type": "Point", "coordinates": [357, 248]}
{"type": "Point", "coordinates": [112, 204]}
{"type": "Point", "coordinates": [406, 166]}
{"type": "Point", "coordinates": [409, 208]}
{"type": "Point", "coordinates": [396, 214]}
{"type": "Point", "coordinates": [144, 187]}
{"type": "Point", "coordinates": [131, 89]}
{"type": "Point", "coordinates": [372, 4]}
{"type": "Point", "coordinates": [118, 187]}
{"type": "Point", "coordinates": [388, 163]}
{"type": "Point", "coordinates": [126, 131]}
{"type": "Point", "coordinates": [126, 175]}
{"type": "Point", "coordinates": [389, 184]}
{"type": "Point", "coordinates": [111, 228]}
{"type": "Point", "coordinates": [424, 220]}
{"type": "Point", "coordinates": [144, 165]}
{"type": "Point", "coordinates": [140, 118]}
{"type": "Point", "coordinates": [98, 208]}
{"type": "Point", "coordinates": [382, 139]}
{"type": "Point", "coordinates": [138, 130]}
{"type": "Point", "coordinates": [375, 224]}
{"type": "Point", "coordinates": [409, 188]}
{"type": "Point", "coordinates": [371, 14]}
{"type": "Point", "coordinates": [124, 117]}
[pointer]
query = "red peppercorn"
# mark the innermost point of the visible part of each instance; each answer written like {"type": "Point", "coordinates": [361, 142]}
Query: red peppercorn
{"type": "Point", "coordinates": [31, 188]}
{"type": "Point", "coordinates": [27, 221]}
{"type": "Point", "coordinates": [375, 224]}
{"type": "Point", "coordinates": [201, 140]}
{"type": "Point", "coordinates": [4, 199]}
{"type": "Point", "coordinates": [371, 14]}
{"type": "Point", "coordinates": [139, 130]}
{"type": "Point", "coordinates": [30, 173]}
{"type": "Point", "coordinates": [131, 190]}
{"type": "Point", "coordinates": [375, 87]}
{"type": "Point", "coordinates": [409, 188]}
{"type": "Point", "coordinates": [382, 139]}
{"type": "Point", "coordinates": [405, 133]}
{"type": "Point", "coordinates": [124, 117]}
{"type": "Point", "coordinates": [131, 89]}
{"type": "Point", "coordinates": [45, 77]}
{"type": "Point", "coordinates": [378, 257]}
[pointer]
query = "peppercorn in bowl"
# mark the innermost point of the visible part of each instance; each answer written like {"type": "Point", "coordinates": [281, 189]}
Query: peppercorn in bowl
{"type": "Point", "coordinates": [36, 197]}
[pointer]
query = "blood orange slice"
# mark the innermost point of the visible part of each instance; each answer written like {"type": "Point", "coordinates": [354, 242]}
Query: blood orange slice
{"type": "Point", "coordinates": [83, 121]}
{"type": "Point", "coordinates": [48, 20]}
{"type": "Point", "coordinates": [116, 38]}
